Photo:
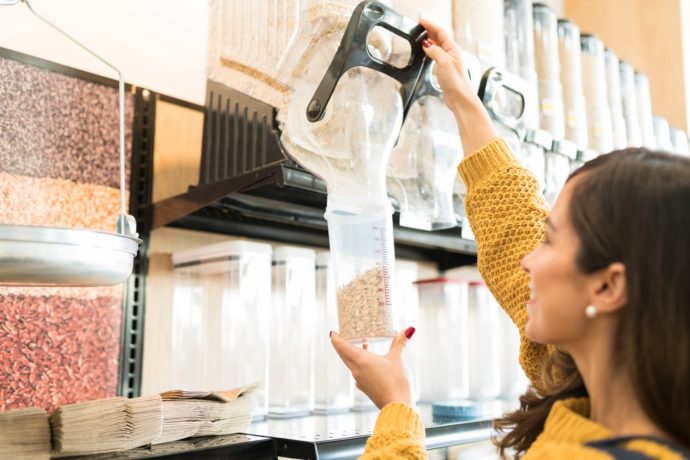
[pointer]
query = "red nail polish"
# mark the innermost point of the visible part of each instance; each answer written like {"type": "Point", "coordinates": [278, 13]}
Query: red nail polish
{"type": "Point", "coordinates": [426, 43]}
{"type": "Point", "coordinates": [410, 332]}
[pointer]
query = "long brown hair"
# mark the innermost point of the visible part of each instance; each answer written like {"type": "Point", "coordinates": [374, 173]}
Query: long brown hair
{"type": "Point", "coordinates": [630, 206]}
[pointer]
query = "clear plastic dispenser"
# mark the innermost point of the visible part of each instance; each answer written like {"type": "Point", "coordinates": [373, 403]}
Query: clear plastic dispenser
{"type": "Point", "coordinates": [291, 350]}
{"type": "Point", "coordinates": [333, 385]}
{"type": "Point", "coordinates": [422, 166]}
{"type": "Point", "coordinates": [342, 126]}
{"type": "Point", "coordinates": [407, 272]}
{"type": "Point", "coordinates": [594, 82]}
{"type": "Point", "coordinates": [629, 99]}
{"type": "Point", "coordinates": [680, 141]}
{"type": "Point", "coordinates": [223, 300]}
{"type": "Point", "coordinates": [571, 79]}
{"type": "Point", "coordinates": [548, 70]}
{"type": "Point", "coordinates": [662, 134]}
{"type": "Point", "coordinates": [558, 160]}
{"type": "Point", "coordinates": [484, 344]}
{"type": "Point", "coordinates": [613, 87]}
{"type": "Point", "coordinates": [442, 338]}
{"type": "Point", "coordinates": [644, 110]}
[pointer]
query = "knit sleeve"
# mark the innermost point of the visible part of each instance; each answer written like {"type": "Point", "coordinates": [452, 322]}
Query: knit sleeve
{"type": "Point", "coordinates": [506, 212]}
{"type": "Point", "coordinates": [398, 434]}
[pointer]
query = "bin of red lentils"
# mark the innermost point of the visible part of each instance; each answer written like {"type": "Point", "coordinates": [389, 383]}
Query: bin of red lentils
{"type": "Point", "coordinates": [59, 167]}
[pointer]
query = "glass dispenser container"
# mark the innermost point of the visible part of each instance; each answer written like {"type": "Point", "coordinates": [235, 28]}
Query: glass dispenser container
{"type": "Point", "coordinates": [407, 272]}
{"type": "Point", "coordinates": [291, 344]}
{"type": "Point", "coordinates": [594, 83]}
{"type": "Point", "coordinates": [442, 338]}
{"type": "Point", "coordinates": [519, 45]}
{"type": "Point", "coordinates": [478, 28]}
{"type": "Point", "coordinates": [422, 166]}
{"type": "Point", "coordinates": [571, 79]}
{"type": "Point", "coordinates": [333, 389]}
{"type": "Point", "coordinates": [680, 141]}
{"type": "Point", "coordinates": [537, 143]}
{"type": "Point", "coordinates": [548, 70]}
{"type": "Point", "coordinates": [342, 126]}
{"type": "Point", "coordinates": [484, 344]}
{"type": "Point", "coordinates": [514, 382]}
{"type": "Point", "coordinates": [662, 134]}
{"type": "Point", "coordinates": [644, 110]}
{"type": "Point", "coordinates": [558, 160]}
{"type": "Point", "coordinates": [629, 100]}
{"type": "Point", "coordinates": [613, 86]}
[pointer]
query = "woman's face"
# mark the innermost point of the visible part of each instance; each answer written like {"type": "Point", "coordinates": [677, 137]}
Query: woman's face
{"type": "Point", "coordinates": [559, 292]}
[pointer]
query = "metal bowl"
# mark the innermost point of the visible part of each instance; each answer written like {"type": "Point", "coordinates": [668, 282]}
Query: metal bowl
{"type": "Point", "coordinates": [51, 256]}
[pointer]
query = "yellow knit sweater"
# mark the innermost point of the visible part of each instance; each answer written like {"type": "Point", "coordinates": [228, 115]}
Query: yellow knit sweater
{"type": "Point", "coordinates": [507, 214]}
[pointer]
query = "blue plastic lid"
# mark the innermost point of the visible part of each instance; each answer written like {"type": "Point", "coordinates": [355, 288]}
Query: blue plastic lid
{"type": "Point", "coordinates": [453, 411]}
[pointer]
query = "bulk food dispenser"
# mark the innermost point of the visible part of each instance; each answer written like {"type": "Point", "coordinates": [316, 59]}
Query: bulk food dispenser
{"type": "Point", "coordinates": [594, 82]}
{"type": "Point", "coordinates": [342, 126]}
{"type": "Point", "coordinates": [629, 99]}
{"type": "Point", "coordinates": [614, 92]}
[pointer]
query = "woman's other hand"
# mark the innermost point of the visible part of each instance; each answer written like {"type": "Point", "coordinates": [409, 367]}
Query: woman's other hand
{"type": "Point", "coordinates": [385, 379]}
{"type": "Point", "coordinates": [474, 124]}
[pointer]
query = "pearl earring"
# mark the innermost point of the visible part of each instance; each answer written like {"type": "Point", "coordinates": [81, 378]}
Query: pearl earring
{"type": "Point", "coordinates": [591, 311]}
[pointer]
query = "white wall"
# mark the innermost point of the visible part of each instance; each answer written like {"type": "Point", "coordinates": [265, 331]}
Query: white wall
{"type": "Point", "coordinates": [158, 44]}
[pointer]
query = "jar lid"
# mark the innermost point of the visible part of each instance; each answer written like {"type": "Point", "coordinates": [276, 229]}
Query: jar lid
{"type": "Point", "coordinates": [591, 43]}
{"type": "Point", "coordinates": [539, 137]}
{"type": "Point", "coordinates": [282, 253]}
{"type": "Point", "coordinates": [565, 147]}
{"type": "Point", "coordinates": [449, 411]}
{"type": "Point", "coordinates": [225, 249]}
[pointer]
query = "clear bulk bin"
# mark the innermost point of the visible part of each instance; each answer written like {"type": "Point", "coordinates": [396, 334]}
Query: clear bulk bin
{"type": "Point", "coordinates": [484, 344]}
{"type": "Point", "coordinates": [236, 280]}
{"type": "Point", "coordinates": [558, 160]}
{"type": "Point", "coordinates": [291, 332]}
{"type": "Point", "coordinates": [629, 99]}
{"type": "Point", "coordinates": [571, 79]}
{"type": "Point", "coordinates": [594, 83]}
{"type": "Point", "coordinates": [440, 10]}
{"type": "Point", "coordinates": [442, 338]}
{"type": "Point", "coordinates": [537, 142]}
{"type": "Point", "coordinates": [662, 134]}
{"type": "Point", "coordinates": [644, 110]}
{"type": "Point", "coordinates": [613, 87]}
{"type": "Point", "coordinates": [514, 382]}
{"type": "Point", "coordinates": [332, 383]}
{"type": "Point", "coordinates": [679, 139]}
{"type": "Point", "coordinates": [478, 28]}
{"type": "Point", "coordinates": [548, 70]}
{"type": "Point", "coordinates": [519, 45]}
{"type": "Point", "coordinates": [406, 273]}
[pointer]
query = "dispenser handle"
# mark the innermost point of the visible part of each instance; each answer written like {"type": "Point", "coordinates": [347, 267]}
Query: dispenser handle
{"type": "Point", "coordinates": [353, 52]}
{"type": "Point", "coordinates": [504, 96]}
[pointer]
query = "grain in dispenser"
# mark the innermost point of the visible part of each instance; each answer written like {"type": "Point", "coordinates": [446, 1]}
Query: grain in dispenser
{"type": "Point", "coordinates": [342, 126]}
{"type": "Point", "coordinates": [594, 82]}
{"type": "Point", "coordinates": [571, 79]}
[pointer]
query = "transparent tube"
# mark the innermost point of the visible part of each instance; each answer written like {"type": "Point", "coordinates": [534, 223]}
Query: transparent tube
{"type": "Point", "coordinates": [596, 99]}
{"type": "Point", "coordinates": [548, 70]}
{"type": "Point", "coordinates": [629, 100]}
{"type": "Point", "coordinates": [613, 86]}
{"type": "Point", "coordinates": [557, 170]}
{"type": "Point", "coordinates": [662, 134]}
{"type": "Point", "coordinates": [484, 346]}
{"type": "Point", "coordinates": [644, 110]}
{"type": "Point", "coordinates": [571, 79]}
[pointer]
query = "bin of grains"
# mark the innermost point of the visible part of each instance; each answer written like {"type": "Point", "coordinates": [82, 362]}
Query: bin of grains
{"type": "Point", "coordinates": [478, 28]}
{"type": "Point", "coordinates": [442, 339]}
{"type": "Point", "coordinates": [596, 99]}
{"type": "Point", "coordinates": [220, 306]}
{"type": "Point", "coordinates": [333, 389]}
{"type": "Point", "coordinates": [519, 46]}
{"type": "Point", "coordinates": [629, 100]}
{"type": "Point", "coordinates": [259, 48]}
{"type": "Point", "coordinates": [548, 70]}
{"type": "Point", "coordinates": [679, 139]}
{"type": "Point", "coordinates": [571, 79]}
{"type": "Point", "coordinates": [662, 134]}
{"type": "Point", "coordinates": [59, 345]}
{"type": "Point", "coordinates": [613, 87]}
{"type": "Point", "coordinates": [644, 110]}
{"type": "Point", "coordinates": [291, 332]}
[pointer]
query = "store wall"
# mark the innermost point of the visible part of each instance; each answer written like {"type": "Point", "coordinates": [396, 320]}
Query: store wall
{"type": "Point", "coordinates": [158, 44]}
{"type": "Point", "coordinates": [654, 38]}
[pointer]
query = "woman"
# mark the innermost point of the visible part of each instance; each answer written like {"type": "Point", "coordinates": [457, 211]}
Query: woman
{"type": "Point", "coordinates": [599, 289]}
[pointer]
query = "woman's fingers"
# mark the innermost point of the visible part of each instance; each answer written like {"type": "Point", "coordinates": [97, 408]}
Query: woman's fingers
{"type": "Point", "coordinates": [438, 34]}
{"type": "Point", "coordinates": [348, 352]}
{"type": "Point", "coordinates": [400, 342]}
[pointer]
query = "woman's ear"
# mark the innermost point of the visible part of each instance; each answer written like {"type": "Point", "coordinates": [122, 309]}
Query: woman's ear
{"type": "Point", "coordinates": [610, 288]}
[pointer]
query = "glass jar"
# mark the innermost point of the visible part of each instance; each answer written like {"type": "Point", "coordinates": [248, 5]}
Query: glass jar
{"type": "Point", "coordinates": [596, 96]}
{"type": "Point", "coordinates": [548, 70]}
{"type": "Point", "coordinates": [629, 99]}
{"type": "Point", "coordinates": [333, 390]}
{"type": "Point", "coordinates": [484, 345]}
{"type": "Point", "coordinates": [571, 79]}
{"type": "Point", "coordinates": [442, 338]}
{"type": "Point", "coordinates": [558, 160]}
{"type": "Point", "coordinates": [613, 86]}
{"type": "Point", "coordinates": [291, 346]}
{"type": "Point", "coordinates": [644, 111]}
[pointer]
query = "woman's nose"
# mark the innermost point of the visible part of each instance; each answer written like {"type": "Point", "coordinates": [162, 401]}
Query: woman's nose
{"type": "Point", "coordinates": [524, 262]}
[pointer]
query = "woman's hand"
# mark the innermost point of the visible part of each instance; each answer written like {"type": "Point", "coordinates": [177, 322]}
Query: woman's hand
{"type": "Point", "coordinates": [474, 124]}
{"type": "Point", "coordinates": [385, 379]}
